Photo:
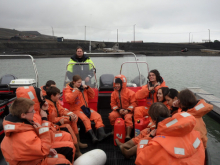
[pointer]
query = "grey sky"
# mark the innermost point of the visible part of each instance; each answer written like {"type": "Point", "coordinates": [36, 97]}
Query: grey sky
{"type": "Point", "coordinates": [154, 20]}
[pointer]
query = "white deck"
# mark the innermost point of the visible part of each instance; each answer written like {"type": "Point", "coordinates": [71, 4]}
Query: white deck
{"type": "Point", "coordinates": [208, 97]}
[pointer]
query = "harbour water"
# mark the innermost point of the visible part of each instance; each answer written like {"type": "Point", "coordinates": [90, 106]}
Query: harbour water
{"type": "Point", "coordinates": [178, 72]}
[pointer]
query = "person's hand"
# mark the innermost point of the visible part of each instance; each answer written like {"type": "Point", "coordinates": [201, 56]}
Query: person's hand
{"type": "Point", "coordinates": [73, 117]}
{"type": "Point", "coordinates": [36, 125]}
{"type": "Point", "coordinates": [43, 113]}
{"type": "Point", "coordinates": [52, 152]}
{"type": "Point", "coordinates": [45, 106]}
{"type": "Point", "coordinates": [176, 103]}
{"type": "Point", "coordinates": [153, 132]}
{"type": "Point", "coordinates": [87, 79]}
{"type": "Point", "coordinates": [84, 86]}
{"type": "Point", "coordinates": [125, 111]}
{"type": "Point", "coordinates": [121, 111]}
{"type": "Point", "coordinates": [148, 130]}
{"type": "Point", "coordinates": [151, 88]}
{"type": "Point", "coordinates": [61, 121]}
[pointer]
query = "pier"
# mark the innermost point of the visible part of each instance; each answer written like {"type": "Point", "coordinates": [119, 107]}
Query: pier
{"type": "Point", "coordinates": [209, 98]}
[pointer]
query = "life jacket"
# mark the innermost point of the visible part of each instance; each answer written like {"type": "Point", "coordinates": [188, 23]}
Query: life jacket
{"type": "Point", "coordinates": [175, 143]}
{"type": "Point", "coordinates": [23, 144]}
{"type": "Point", "coordinates": [124, 98]}
{"type": "Point", "coordinates": [29, 93]}
{"type": "Point", "coordinates": [77, 98]}
{"type": "Point", "coordinates": [150, 96]}
{"type": "Point", "coordinates": [201, 109]}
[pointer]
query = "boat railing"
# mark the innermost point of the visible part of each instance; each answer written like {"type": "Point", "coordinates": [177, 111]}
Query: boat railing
{"type": "Point", "coordinates": [33, 62]}
{"type": "Point", "coordinates": [116, 53]}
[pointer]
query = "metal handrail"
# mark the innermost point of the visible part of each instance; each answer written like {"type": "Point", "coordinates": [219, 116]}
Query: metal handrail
{"type": "Point", "coordinates": [33, 62]}
{"type": "Point", "coordinates": [116, 53]}
{"type": "Point", "coordinates": [138, 68]}
{"type": "Point", "coordinates": [83, 63]}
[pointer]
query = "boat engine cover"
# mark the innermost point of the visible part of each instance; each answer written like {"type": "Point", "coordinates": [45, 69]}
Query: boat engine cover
{"type": "Point", "coordinates": [22, 82]}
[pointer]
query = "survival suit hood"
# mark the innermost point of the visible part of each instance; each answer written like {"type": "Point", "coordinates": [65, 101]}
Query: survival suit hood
{"type": "Point", "coordinates": [122, 80]}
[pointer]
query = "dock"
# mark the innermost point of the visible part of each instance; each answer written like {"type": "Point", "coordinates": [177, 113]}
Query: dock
{"type": "Point", "coordinates": [210, 99]}
{"type": "Point", "coordinates": [212, 51]}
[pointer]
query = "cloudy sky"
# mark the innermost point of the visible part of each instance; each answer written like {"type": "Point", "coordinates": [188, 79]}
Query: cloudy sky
{"type": "Point", "coordinates": [149, 20]}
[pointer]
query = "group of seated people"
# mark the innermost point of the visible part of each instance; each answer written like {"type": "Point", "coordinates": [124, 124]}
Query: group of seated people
{"type": "Point", "coordinates": [176, 133]}
{"type": "Point", "coordinates": [39, 130]}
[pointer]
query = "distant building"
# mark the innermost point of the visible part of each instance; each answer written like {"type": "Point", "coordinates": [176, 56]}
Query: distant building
{"type": "Point", "coordinates": [60, 39]}
{"type": "Point", "coordinates": [141, 41]}
{"type": "Point", "coordinates": [206, 40]}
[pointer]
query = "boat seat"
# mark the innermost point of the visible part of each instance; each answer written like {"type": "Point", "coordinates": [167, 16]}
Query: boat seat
{"type": "Point", "coordinates": [106, 82]}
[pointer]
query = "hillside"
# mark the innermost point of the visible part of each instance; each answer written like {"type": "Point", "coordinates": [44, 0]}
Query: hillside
{"type": "Point", "coordinates": [25, 35]}
{"type": "Point", "coordinates": [32, 42]}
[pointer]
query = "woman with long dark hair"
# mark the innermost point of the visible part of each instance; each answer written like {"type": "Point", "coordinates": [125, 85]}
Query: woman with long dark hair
{"type": "Point", "coordinates": [198, 108]}
{"type": "Point", "coordinates": [77, 96]}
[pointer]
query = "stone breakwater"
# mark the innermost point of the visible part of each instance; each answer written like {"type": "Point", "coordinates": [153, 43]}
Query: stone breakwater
{"type": "Point", "coordinates": [67, 48]}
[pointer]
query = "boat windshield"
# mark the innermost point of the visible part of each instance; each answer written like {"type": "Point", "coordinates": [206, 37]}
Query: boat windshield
{"type": "Point", "coordinates": [85, 70]}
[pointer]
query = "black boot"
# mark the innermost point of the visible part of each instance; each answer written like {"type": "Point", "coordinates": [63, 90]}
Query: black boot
{"type": "Point", "coordinates": [101, 133]}
{"type": "Point", "coordinates": [94, 138]}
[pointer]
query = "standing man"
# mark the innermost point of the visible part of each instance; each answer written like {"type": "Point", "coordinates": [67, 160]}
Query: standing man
{"type": "Point", "coordinates": [85, 71]}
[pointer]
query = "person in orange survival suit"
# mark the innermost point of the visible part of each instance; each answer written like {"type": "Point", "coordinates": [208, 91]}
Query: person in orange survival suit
{"type": "Point", "coordinates": [148, 92]}
{"type": "Point", "coordinates": [58, 114]}
{"type": "Point", "coordinates": [188, 102]}
{"type": "Point", "coordinates": [62, 133]}
{"type": "Point", "coordinates": [129, 148]}
{"type": "Point", "coordinates": [26, 142]}
{"type": "Point", "coordinates": [77, 96]}
{"type": "Point", "coordinates": [161, 93]}
{"type": "Point", "coordinates": [171, 97]}
{"type": "Point", "coordinates": [173, 141]}
{"type": "Point", "coordinates": [122, 103]}
{"type": "Point", "coordinates": [44, 88]}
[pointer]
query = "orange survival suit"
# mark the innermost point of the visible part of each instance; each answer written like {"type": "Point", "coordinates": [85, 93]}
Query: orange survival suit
{"type": "Point", "coordinates": [57, 112]}
{"type": "Point", "coordinates": [30, 93]}
{"type": "Point", "coordinates": [198, 111]}
{"type": "Point", "coordinates": [23, 144]}
{"type": "Point", "coordinates": [145, 132]}
{"type": "Point", "coordinates": [150, 96]}
{"type": "Point", "coordinates": [175, 143]}
{"type": "Point", "coordinates": [122, 99]}
{"type": "Point", "coordinates": [63, 137]}
{"type": "Point", "coordinates": [77, 99]}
